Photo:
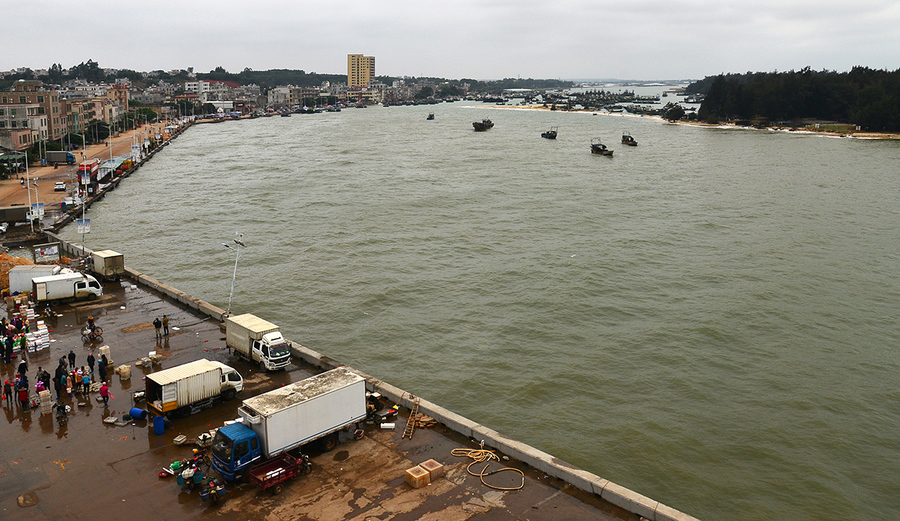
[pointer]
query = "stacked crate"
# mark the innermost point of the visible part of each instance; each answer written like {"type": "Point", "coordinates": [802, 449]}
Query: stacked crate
{"type": "Point", "coordinates": [46, 402]}
{"type": "Point", "coordinates": [39, 338]}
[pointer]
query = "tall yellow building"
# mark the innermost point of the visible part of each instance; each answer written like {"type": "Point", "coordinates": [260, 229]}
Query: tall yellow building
{"type": "Point", "coordinates": [360, 70]}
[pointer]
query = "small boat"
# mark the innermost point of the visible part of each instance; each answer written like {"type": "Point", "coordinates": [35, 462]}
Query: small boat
{"type": "Point", "coordinates": [599, 148]}
{"type": "Point", "coordinates": [430, 116]}
{"type": "Point", "coordinates": [550, 134]}
{"type": "Point", "coordinates": [285, 114]}
{"type": "Point", "coordinates": [483, 125]}
{"type": "Point", "coordinates": [628, 140]}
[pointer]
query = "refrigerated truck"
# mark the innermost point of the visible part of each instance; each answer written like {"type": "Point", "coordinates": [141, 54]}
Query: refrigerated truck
{"type": "Point", "coordinates": [288, 417]}
{"type": "Point", "coordinates": [65, 286]}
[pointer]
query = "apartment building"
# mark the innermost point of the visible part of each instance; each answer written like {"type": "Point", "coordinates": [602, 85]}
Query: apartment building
{"type": "Point", "coordinates": [360, 70]}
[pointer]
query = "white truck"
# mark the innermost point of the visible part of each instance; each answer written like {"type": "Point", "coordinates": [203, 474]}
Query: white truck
{"type": "Point", "coordinates": [108, 264]}
{"type": "Point", "coordinates": [185, 389]}
{"type": "Point", "coordinates": [20, 277]}
{"type": "Point", "coordinates": [287, 417]}
{"type": "Point", "coordinates": [257, 340]}
{"type": "Point", "coordinates": [65, 286]}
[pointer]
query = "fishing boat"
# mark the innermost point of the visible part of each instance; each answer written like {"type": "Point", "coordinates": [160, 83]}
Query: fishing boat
{"type": "Point", "coordinates": [628, 140]}
{"type": "Point", "coordinates": [599, 148]}
{"type": "Point", "coordinates": [430, 116]}
{"type": "Point", "coordinates": [550, 134]}
{"type": "Point", "coordinates": [483, 125]}
{"type": "Point", "coordinates": [285, 114]}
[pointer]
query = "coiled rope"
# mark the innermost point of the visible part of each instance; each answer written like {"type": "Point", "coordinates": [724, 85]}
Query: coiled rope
{"type": "Point", "coordinates": [485, 456]}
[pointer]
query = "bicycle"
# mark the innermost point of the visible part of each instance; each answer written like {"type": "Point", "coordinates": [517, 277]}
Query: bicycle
{"type": "Point", "coordinates": [95, 335]}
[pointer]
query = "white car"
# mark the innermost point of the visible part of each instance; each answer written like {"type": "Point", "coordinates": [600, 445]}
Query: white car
{"type": "Point", "coordinates": [59, 187]}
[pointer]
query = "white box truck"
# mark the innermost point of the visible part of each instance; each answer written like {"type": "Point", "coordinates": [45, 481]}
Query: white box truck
{"type": "Point", "coordinates": [185, 389]}
{"type": "Point", "coordinates": [257, 340]}
{"type": "Point", "coordinates": [20, 277]}
{"type": "Point", "coordinates": [287, 417]}
{"type": "Point", "coordinates": [108, 264]}
{"type": "Point", "coordinates": [65, 286]}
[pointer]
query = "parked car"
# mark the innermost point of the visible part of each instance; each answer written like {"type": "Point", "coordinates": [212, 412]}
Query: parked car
{"type": "Point", "coordinates": [60, 186]}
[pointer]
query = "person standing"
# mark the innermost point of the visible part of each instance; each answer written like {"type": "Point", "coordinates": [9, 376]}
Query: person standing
{"type": "Point", "coordinates": [90, 361]}
{"type": "Point", "coordinates": [7, 393]}
{"type": "Point", "coordinates": [71, 359]}
{"type": "Point", "coordinates": [102, 367]}
{"type": "Point", "coordinates": [7, 354]}
{"type": "Point", "coordinates": [86, 384]}
{"type": "Point", "coordinates": [23, 367]}
{"type": "Point", "coordinates": [23, 395]}
{"type": "Point", "coordinates": [165, 323]}
{"type": "Point", "coordinates": [157, 324]}
{"type": "Point", "coordinates": [104, 393]}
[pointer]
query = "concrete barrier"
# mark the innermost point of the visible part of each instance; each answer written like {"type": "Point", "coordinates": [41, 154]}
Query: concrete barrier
{"type": "Point", "coordinates": [616, 494]}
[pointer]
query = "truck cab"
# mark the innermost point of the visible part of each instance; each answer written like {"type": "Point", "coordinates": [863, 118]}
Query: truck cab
{"type": "Point", "coordinates": [234, 448]}
{"type": "Point", "coordinates": [232, 381]}
{"type": "Point", "coordinates": [272, 351]}
{"type": "Point", "coordinates": [88, 288]}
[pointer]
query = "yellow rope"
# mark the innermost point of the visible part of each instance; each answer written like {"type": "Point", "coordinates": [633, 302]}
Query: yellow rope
{"type": "Point", "coordinates": [485, 456]}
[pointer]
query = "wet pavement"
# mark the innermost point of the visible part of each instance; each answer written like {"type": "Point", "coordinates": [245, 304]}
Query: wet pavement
{"type": "Point", "coordinates": [88, 469]}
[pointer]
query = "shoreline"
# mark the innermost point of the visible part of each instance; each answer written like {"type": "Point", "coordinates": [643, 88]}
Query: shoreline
{"type": "Point", "coordinates": [856, 134]}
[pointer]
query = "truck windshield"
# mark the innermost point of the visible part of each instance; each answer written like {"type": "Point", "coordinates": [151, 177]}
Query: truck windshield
{"type": "Point", "coordinates": [279, 350]}
{"type": "Point", "coordinates": [222, 446]}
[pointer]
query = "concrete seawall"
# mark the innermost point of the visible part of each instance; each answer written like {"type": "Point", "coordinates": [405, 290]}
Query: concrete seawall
{"type": "Point", "coordinates": [550, 465]}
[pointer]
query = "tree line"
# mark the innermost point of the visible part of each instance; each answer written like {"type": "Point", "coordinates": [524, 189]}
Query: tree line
{"type": "Point", "coordinates": [865, 97]}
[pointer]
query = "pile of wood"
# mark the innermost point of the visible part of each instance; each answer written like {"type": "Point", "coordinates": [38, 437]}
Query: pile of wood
{"type": "Point", "coordinates": [8, 262]}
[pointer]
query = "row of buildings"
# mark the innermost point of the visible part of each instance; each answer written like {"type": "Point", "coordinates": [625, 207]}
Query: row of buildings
{"type": "Point", "coordinates": [31, 113]}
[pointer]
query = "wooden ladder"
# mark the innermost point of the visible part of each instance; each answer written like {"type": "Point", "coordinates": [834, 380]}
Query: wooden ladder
{"type": "Point", "coordinates": [411, 420]}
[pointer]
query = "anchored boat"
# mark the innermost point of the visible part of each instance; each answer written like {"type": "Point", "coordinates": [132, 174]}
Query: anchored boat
{"type": "Point", "coordinates": [550, 134]}
{"type": "Point", "coordinates": [483, 125]}
{"type": "Point", "coordinates": [599, 148]}
{"type": "Point", "coordinates": [628, 140]}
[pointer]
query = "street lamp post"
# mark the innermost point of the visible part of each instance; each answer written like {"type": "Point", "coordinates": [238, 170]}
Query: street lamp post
{"type": "Point", "coordinates": [239, 242]}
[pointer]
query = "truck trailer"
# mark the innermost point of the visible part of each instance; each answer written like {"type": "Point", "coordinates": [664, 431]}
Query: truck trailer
{"type": "Point", "coordinates": [108, 264]}
{"type": "Point", "coordinates": [65, 286]}
{"type": "Point", "coordinates": [288, 417]}
{"type": "Point", "coordinates": [257, 340]}
{"type": "Point", "coordinates": [185, 389]}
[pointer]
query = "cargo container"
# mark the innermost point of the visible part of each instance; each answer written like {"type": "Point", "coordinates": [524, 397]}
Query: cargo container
{"type": "Point", "coordinates": [20, 277]}
{"type": "Point", "coordinates": [56, 157]}
{"type": "Point", "coordinates": [108, 264]}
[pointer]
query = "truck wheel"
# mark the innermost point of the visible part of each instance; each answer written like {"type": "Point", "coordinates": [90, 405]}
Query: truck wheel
{"type": "Point", "coordinates": [329, 442]}
{"type": "Point", "coordinates": [54, 303]}
{"type": "Point", "coordinates": [229, 394]}
{"type": "Point", "coordinates": [278, 489]}
{"type": "Point", "coordinates": [93, 296]}
{"type": "Point", "coordinates": [262, 366]}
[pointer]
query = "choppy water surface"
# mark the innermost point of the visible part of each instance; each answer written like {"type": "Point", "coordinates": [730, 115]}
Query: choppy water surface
{"type": "Point", "coordinates": [709, 318]}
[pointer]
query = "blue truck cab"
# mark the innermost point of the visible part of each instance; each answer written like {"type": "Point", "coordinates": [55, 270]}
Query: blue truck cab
{"type": "Point", "coordinates": [235, 447]}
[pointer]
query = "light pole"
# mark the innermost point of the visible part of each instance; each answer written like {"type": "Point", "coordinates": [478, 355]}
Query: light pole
{"type": "Point", "coordinates": [237, 256]}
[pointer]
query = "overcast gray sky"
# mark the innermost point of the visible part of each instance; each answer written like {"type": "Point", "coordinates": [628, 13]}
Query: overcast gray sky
{"type": "Point", "coordinates": [480, 39]}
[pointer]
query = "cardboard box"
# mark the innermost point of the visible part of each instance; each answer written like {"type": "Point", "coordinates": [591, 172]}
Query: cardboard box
{"type": "Point", "coordinates": [417, 477]}
{"type": "Point", "coordinates": [435, 469]}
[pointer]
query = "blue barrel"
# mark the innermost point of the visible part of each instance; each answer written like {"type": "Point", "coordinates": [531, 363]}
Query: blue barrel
{"type": "Point", "coordinates": [137, 414]}
{"type": "Point", "coordinates": [159, 425]}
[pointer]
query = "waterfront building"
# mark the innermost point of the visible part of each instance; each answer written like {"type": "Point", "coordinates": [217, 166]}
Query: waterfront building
{"type": "Point", "coordinates": [360, 70]}
{"type": "Point", "coordinates": [48, 101]}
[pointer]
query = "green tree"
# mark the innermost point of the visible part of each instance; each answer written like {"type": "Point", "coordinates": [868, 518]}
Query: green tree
{"type": "Point", "coordinates": [674, 112]}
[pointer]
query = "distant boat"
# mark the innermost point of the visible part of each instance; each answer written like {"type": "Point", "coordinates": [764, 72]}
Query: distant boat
{"type": "Point", "coordinates": [430, 116]}
{"type": "Point", "coordinates": [628, 140]}
{"type": "Point", "coordinates": [599, 148]}
{"type": "Point", "coordinates": [483, 125]}
{"type": "Point", "coordinates": [550, 134]}
{"type": "Point", "coordinates": [285, 114]}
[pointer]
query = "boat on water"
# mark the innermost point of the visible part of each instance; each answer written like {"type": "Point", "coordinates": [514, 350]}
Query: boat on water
{"type": "Point", "coordinates": [599, 148]}
{"type": "Point", "coordinates": [550, 134]}
{"type": "Point", "coordinates": [628, 140]}
{"type": "Point", "coordinates": [285, 114]}
{"type": "Point", "coordinates": [430, 116]}
{"type": "Point", "coordinates": [483, 125]}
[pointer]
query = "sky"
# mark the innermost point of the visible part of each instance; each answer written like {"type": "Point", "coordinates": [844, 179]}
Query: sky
{"type": "Point", "coordinates": [478, 39]}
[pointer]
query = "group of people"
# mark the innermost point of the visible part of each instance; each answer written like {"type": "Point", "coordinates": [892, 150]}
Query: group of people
{"type": "Point", "coordinates": [14, 332]}
{"type": "Point", "coordinates": [19, 387]}
{"type": "Point", "coordinates": [161, 326]}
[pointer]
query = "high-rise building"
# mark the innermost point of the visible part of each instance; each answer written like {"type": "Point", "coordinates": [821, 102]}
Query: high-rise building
{"type": "Point", "coordinates": [360, 70]}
